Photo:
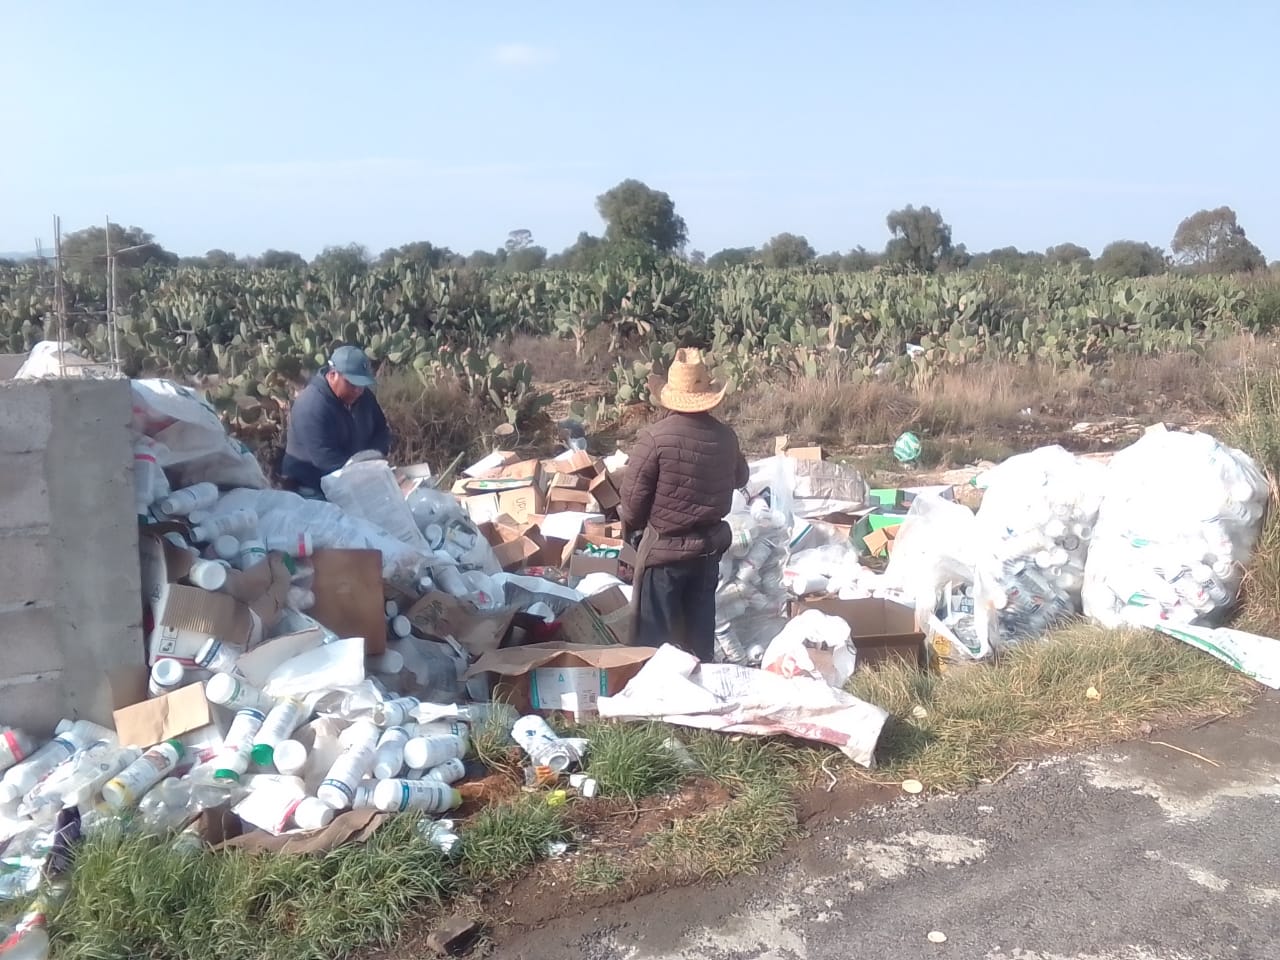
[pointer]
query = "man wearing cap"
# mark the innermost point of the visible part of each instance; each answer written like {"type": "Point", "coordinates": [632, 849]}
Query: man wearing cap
{"type": "Point", "coordinates": [678, 488]}
{"type": "Point", "coordinates": [333, 419]}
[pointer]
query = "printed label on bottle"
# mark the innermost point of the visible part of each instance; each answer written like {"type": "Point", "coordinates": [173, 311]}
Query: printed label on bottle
{"type": "Point", "coordinates": [346, 791]}
{"type": "Point", "coordinates": [13, 746]}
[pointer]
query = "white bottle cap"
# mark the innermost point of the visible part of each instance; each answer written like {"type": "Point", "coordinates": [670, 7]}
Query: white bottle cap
{"type": "Point", "coordinates": [226, 547]}
{"type": "Point", "coordinates": [168, 672]}
{"type": "Point", "coordinates": [289, 757]}
{"type": "Point", "coordinates": [208, 575]}
{"type": "Point", "coordinates": [312, 813]}
{"type": "Point", "coordinates": [220, 688]}
{"type": "Point", "coordinates": [401, 626]}
{"type": "Point", "coordinates": [390, 662]}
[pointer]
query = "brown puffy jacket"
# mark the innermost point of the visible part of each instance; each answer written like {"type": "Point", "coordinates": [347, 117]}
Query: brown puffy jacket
{"type": "Point", "coordinates": [680, 481]}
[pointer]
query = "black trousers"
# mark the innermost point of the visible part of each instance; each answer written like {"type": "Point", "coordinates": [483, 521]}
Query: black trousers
{"type": "Point", "coordinates": [678, 606]}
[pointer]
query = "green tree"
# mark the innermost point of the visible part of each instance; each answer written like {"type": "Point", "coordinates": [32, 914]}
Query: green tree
{"type": "Point", "coordinates": [858, 260]}
{"type": "Point", "coordinates": [920, 238]}
{"type": "Point", "coordinates": [86, 250]}
{"type": "Point", "coordinates": [1130, 258]}
{"type": "Point", "coordinates": [1065, 254]}
{"type": "Point", "coordinates": [1008, 258]}
{"type": "Point", "coordinates": [587, 253]}
{"type": "Point", "coordinates": [522, 255]}
{"type": "Point", "coordinates": [787, 250]}
{"type": "Point", "coordinates": [1212, 240]}
{"type": "Point", "coordinates": [281, 260]}
{"type": "Point", "coordinates": [732, 257]}
{"type": "Point", "coordinates": [484, 260]}
{"type": "Point", "coordinates": [636, 213]}
{"type": "Point", "coordinates": [697, 258]}
{"type": "Point", "coordinates": [422, 253]}
{"type": "Point", "coordinates": [342, 263]}
{"type": "Point", "coordinates": [518, 240]}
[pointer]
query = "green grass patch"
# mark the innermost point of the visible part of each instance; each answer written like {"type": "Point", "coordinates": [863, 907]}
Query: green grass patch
{"type": "Point", "coordinates": [1035, 698]}
{"type": "Point", "coordinates": [598, 872]}
{"type": "Point", "coordinates": [505, 838]}
{"type": "Point", "coordinates": [629, 759]}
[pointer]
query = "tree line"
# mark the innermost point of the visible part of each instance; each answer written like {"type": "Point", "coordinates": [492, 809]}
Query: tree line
{"type": "Point", "coordinates": [642, 226]}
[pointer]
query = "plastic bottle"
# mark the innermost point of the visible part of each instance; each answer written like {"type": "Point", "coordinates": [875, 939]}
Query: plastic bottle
{"type": "Point", "coordinates": [451, 771]}
{"type": "Point", "coordinates": [339, 786]}
{"type": "Point", "coordinates": [208, 574]}
{"type": "Point", "coordinates": [252, 552]}
{"type": "Point", "coordinates": [226, 548]}
{"type": "Point", "coordinates": [29, 939]}
{"type": "Point", "coordinates": [145, 469]}
{"type": "Point", "coordinates": [15, 746]}
{"type": "Point", "coordinates": [389, 760]}
{"type": "Point", "coordinates": [363, 799]}
{"type": "Point", "coordinates": [180, 503]}
{"type": "Point", "coordinates": [392, 609]}
{"type": "Point", "coordinates": [392, 713]}
{"type": "Point", "coordinates": [127, 787]}
{"type": "Point", "coordinates": [297, 545]}
{"type": "Point", "coordinates": [536, 738]}
{"type": "Point", "coordinates": [167, 675]}
{"type": "Point", "coordinates": [237, 748]}
{"type": "Point", "coordinates": [71, 737]}
{"type": "Point", "coordinates": [278, 726]}
{"type": "Point", "coordinates": [289, 757]}
{"type": "Point", "coordinates": [84, 776]}
{"type": "Point", "coordinates": [234, 524]}
{"type": "Point", "coordinates": [428, 752]}
{"type": "Point", "coordinates": [300, 598]}
{"type": "Point", "coordinates": [217, 656]}
{"type": "Point", "coordinates": [229, 691]}
{"type": "Point", "coordinates": [400, 626]}
{"type": "Point", "coordinates": [428, 796]}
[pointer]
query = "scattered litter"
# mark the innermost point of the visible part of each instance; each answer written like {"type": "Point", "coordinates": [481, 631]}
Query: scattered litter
{"type": "Point", "coordinates": [920, 713]}
{"type": "Point", "coordinates": [912, 786]}
{"type": "Point", "coordinates": [937, 936]}
{"type": "Point", "coordinates": [1092, 694]}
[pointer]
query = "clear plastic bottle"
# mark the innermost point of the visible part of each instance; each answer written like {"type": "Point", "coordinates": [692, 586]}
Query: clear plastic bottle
{"type": "Point", "coordinates": [428, 796]}
{"type": "Point", "coordinates": [78, 781]}
{"type": "Point", "coordinates": [451, 771]}
{"type": "Point", "coordinates": [15, 746]}
{"type": "Point", "coordinates": [167, 675]}
{"type": "Point", "coordinates": [127, 787]}
{"type": "Point", "coordinates": [233, 524]}
{"type": "Point", "coordinates": [389, 760]}
{"type": "Point", "coordinates": [71, 738]}
{"type": "Point", "coordinates": [392, 713]}
{"type": "Point", "coordinates": [181, 503]}
{"type": "Point", "coordinates": [279, 724]}
{"type": "Point", "coordinates": [339, 786]}
{"type": "Point", "coordinates": [217, 656]}
{"type": "Point", "coordinates": [428, 752]}
{"type": "Point", "coordinates": [237, 694]}
{"type": "Point", "coordinates": [237, 748]}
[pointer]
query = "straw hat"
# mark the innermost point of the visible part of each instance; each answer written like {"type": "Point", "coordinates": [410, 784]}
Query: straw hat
{"type": "Point", "coordinates": [689, 387]}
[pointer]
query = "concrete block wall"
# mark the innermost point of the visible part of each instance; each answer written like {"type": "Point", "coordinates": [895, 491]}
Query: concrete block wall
{"type": "Point", "coordinates": [70, 593]}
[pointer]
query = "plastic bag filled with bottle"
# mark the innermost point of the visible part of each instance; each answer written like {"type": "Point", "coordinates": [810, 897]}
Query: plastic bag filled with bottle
{"type": "Point", "coordinates": [751, 598]}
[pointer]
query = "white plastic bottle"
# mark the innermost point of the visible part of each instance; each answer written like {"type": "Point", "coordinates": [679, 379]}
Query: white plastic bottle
{"type": "Point", "coordinates": [232, 692]}
{"type": "Point", "coordinates": [363, 799]}
{"type": "Point", "coordinates": [536, 738]}
{"type": "Point", "coordinates": [208, 574]}
{"type": "Point", "coordinates": [400, 626]}
{"type": "Point", "coordinates": [392, 713]}
{"type": "Point", "coordinates": [279, 724]}
{"type": "Point", "coordinates": [126, 788]}
{"type": "Point", "coordinates": [428, 752]}
{"type": "Point", "coordinates": [145, 469]}
{"type": "Point", "coordinates": [252, 552]}
{"type": "Point", "coordinates": [445, 728]}
{"type": "Point", "coordinates": [217, 656]}
{"type": "Point", "coordinates": [237, 748]}
{"type": "Point", "coordinates": [180, 503]}
{"type": "Point", "coordinates": [289, 757]}
{"type": "Point", "coordinates": [85, 775]}
{"type": "Point", "coordinates": [234, 524]}
{"type": "Point", "coordinates": [167, 675]}
{"type": "Point", "coordinates": [312, 813]}
{"type": "Point", "coordinates": [226, 548]}
{"type": "Point", "coordinates": [339, 786]}
{"type": "Point", "coordinates": [451, 771]}
{"type": "Point", "coordinates": [15, 746]}
{"type": "Point", "coordinates": [298, 546]}
{"type": "Point", "coordinates": [389, 760]}
{"type": "Point", "coordinates": [428, 796]}
{"type": "Point", "coordinates": [71, 738]}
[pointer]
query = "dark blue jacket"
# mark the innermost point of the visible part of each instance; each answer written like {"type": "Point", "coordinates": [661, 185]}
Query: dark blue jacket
{"type": "Point", "coordinates": [324, 433]}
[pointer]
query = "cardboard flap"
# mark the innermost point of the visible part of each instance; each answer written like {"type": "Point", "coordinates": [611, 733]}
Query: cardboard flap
{"type": "Point", "coordinates": [187, 616]}
{"type": "Point", "coordinates": [353, 826]}
{"type": "Point", "coordinates": [520, 660]}
{"type": "Point", "coordinates": [573, 461]}
{"type": "Point", "coordinates": [151, 721]}
{"type": "Point", "coordinates": [439, 614]}
{"type": "Point", "coordinates": [348, 589]}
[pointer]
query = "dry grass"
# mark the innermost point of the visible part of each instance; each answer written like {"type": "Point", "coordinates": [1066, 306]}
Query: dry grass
{"type": "Point", "coordinates": [433, 424]}
{"type": "Point", "coordinates": [1034, 700]}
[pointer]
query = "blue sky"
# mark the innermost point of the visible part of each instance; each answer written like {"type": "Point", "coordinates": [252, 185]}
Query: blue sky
{"type": "Point", "coordinates": [295, 124]}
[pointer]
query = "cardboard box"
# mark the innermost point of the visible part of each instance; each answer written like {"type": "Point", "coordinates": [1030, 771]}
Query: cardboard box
{"type": "Point", "coordinates": [782, 447]}
{"type": "Point", "coordinates": [614, 610]}
{"type": "Point", "coordinates": [879, 543]}
{"type": "Point", "coordinates": [162, 718]}
{"type": "Point", "coordinates": [602, 487]}
{"type": "Point", "coordinates": [487, 466]}
{"type": "Point", "coordinates": [412, 477]}
{"type": "Point", "coordinates": [580, 624]}
{"type": "Point", "coordinates": [439, 615]}
{"type": "Point", "coordinates": [514, 669]}
{"type": "Point", "coordinates": [581, 565]}
{"type": "Point", "coordinates": [568, 500]}
{"type": "Point", "coordinates": [514, 544]}
{"type": "Point", "coordinates": [876, 529]}
{"type": "Point", "coordinates": [486, 500]}
{"type": "Point", "coordinates": [186, 617]}
{"type": "Point", "coordinates": [348, 589]}
{"type": "Point", "coordinates": [881, 629]}
{"type": "Point", "coordinates": [572, 461]}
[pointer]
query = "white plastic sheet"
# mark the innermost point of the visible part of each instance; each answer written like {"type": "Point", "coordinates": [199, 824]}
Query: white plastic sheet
{"type": "Point", "coordinates": [674, 686]}
{"type": "Point", "coordinates": [789, 654]}
{"type": "Point", "coordinates": [199, 447]}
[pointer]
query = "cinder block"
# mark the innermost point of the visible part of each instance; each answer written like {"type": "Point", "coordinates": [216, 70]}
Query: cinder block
{"type": "Point", "coordinates": [26, 570]}
{"type": "Point", "coordinates": [29, 641]}
{"type": "Point", "coordinates": [28, 416]}
{"type": "Point", "coordinates": [24, 492]}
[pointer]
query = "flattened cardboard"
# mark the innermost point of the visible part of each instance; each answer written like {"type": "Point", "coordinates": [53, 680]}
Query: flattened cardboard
{"type": "Point", "coordinates": [264, 587]}
{"type": "Point", "coordinates": [348, 589]}
{"type": "Point", "coordinates": [353, 826]}
{"type": "Point", "coordinates": [881, 629]}
{"type": "Point", "coordinates": [514, 667]}
{"type": "Point", "coordinates": [162, 718]}
{"type": "Point", "coordinates": [879, 543]}
{"type": "Point", "coordinates": [488, 465]}
{"type": "Point", "coordinates": [439, 614]}
{"type": "Point", "coordinates": [189, 616]}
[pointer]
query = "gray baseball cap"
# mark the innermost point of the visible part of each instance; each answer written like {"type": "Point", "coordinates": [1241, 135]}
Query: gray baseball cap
{"type": "Point", "coordinates": [354, 366]}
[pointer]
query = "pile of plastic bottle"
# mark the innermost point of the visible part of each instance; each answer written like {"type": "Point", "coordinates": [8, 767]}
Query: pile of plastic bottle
{"type": "Point", "coordinates": [751, 599]}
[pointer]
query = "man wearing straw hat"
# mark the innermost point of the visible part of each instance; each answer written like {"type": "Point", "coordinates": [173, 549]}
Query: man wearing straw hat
{"type": "Point", "coordinates": [678, 489]}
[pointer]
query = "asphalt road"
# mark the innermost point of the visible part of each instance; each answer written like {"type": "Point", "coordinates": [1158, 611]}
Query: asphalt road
{"type": "Point", "coordinates": [1139, 852]}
